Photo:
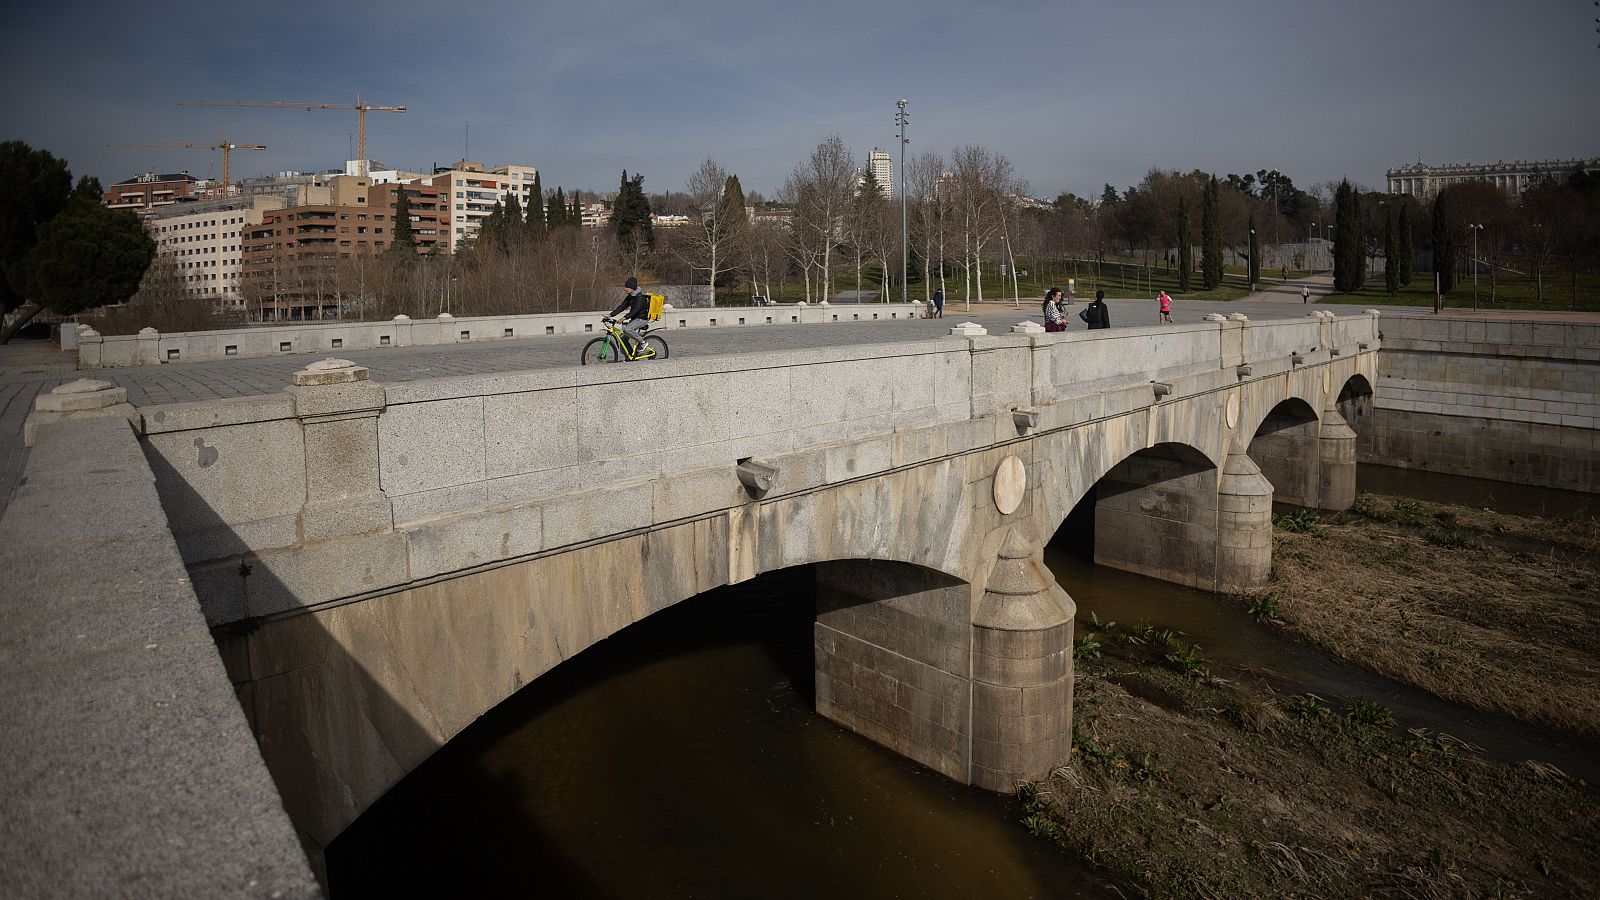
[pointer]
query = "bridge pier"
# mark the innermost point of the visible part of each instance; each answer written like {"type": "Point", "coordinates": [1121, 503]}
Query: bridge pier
{"type": "Point", "coordinates": [976, 688]}
{"type": "Point", "coordinates": [1287, 448]}
{"type": "Point", "coordinates": [1336, 462]}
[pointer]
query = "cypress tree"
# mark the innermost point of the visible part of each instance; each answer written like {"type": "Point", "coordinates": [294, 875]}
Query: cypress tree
{"type": "Point", "coordinates": [404, 238]}
{"type": "Point", "coordinates": [514, 223]}
{"type": "Point", "coordinates": [1254, 268]}
{"type": "Point", "coordinates": [1185, 263]}
{"type": "Point", "coordinates": [1391, 265]}
{"type": "Point", "coordinates": [1210, 237]}
{"type": "Point", "coordinates": [1444, 249]}
{"type": "Point", "coordinates": [575, 212]}
{"type": "Point", "coordinates": [1346, 239]}
{"type": "Point", "coordinates": [535, 224]}
{"type": "Point", "coordinates": [558, 209]}
{"type": "Point", "coordinates": [1407, 249]}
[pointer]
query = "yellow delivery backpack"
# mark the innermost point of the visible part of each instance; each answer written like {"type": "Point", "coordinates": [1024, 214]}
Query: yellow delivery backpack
{"type": "Point", "coordinates": [657, 301]}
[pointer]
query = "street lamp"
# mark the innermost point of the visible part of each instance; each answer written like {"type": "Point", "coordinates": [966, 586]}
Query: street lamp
{"type": "Point", "coordinates": [901, 118]}
{"type": "Point", "coordinates": [1475, 230]}
{"type": "Point", "coordinates": [1250, 263]}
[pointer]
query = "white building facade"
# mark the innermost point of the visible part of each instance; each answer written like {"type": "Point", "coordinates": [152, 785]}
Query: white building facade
{"type": "Point", "coordinates": [881, 165]}
{"type": "Point", "coordinates": [1422, 181]}
{"type": "Point", "coordinates": [204, 241]}
{"type": "Point", "coordinates": [469, 192]}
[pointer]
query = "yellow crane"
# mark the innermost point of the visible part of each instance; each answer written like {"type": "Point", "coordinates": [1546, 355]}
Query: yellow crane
{"type": "Point", "coordinates": [360, 108]}
{"type": "Point", "coordinates": [226, 148]}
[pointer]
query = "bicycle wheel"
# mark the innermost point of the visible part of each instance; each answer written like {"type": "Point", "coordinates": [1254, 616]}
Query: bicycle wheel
{"type": "Point", "coordinates": [658, 344]}
{"type": "Point", "coordinates": [600, 350]}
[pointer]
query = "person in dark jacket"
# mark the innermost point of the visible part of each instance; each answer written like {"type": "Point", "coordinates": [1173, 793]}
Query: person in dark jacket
{"type": "Point", "coordinates": [1097, 314]}
{"type": "Point", "coordinates": [938, 303]}
{"type": "Point", "coordinates": [636, 317]}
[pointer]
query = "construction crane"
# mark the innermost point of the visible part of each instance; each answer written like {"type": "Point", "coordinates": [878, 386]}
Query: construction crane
{"type": "Point", "coordinates": [358, 106]}
{"type": "Point", "coordinates": [226, 148]}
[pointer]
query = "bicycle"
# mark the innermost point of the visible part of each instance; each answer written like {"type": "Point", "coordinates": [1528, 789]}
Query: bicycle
{"type": "Point", "coordinates": [613, 346]}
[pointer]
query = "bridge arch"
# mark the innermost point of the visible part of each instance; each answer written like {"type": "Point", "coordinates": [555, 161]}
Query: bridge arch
{"type": "Point", "coordinates": [1355, 401]}
{"type": "Point", "coordinates": [1285, 446]}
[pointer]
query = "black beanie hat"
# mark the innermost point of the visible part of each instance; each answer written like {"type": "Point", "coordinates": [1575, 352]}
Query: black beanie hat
{"type": "Point", "coordinates": [631, 284]}
{"type": "Point", "coordinates": [1099, 295]}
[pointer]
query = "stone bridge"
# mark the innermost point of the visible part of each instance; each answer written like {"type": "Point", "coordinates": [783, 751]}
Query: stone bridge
{"type": "Point", "coordinates": [381, 565]}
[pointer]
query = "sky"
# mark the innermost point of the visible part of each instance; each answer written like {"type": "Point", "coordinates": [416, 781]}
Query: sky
{"type": "Point", "coordinates": [1074, 94]}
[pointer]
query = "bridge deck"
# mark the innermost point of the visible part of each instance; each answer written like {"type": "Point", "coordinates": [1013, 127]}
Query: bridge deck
{"type": "Point", "coordinates": [26, 370]}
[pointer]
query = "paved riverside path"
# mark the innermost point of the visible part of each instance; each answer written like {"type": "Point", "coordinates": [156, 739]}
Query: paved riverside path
{"type": "Point", "coordinates": [30, 367]}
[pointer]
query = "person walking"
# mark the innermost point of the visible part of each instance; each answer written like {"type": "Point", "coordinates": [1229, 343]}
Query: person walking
{"type": "Point", "coordinates": [1305, 294]}
{"type": "Point", "coordinates": [938, 303]}
{"type": "Point", "coordinates": [1097, 314]}
{"type": "Point", "coordinates": [1054, 318]}
{"type": "Point", "coordinates": [1165, 303]}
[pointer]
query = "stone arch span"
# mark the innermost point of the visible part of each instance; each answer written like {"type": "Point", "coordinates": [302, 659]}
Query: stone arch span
{"type": "Point", "coordinates": [346, 700]}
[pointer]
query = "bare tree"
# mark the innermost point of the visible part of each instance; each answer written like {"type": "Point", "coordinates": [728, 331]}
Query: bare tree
{"type": "Point", "coordinates": [820, 189]}
{"type": "Point", "coordinates": [983, 182]}
{"type": "Point", "coordinates": [923, 189]}
{"type": "Point", "coordinates": [708, 242]}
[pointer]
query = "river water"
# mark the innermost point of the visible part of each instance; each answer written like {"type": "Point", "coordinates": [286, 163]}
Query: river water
{"type": "Point", "coordinates": [682, 758]}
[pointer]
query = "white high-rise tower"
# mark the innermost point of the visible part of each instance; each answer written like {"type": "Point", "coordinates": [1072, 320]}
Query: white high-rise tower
{"type": "Point", "coordinates": [881, 165]}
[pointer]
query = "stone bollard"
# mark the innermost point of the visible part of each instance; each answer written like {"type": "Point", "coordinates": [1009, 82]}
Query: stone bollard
{"type": "Point", "coordinates": [86, 398]}
{"type": "Point", "coordinates": [1027, 328]}
{"type": "Point", "coordinates": [90, 347]}
{"type": "Point", "coordinates": [147, 348]}
{"type": "Point", "coordinates": [969, 329]}
{"type": "Point", "coordinates": [338, 409]}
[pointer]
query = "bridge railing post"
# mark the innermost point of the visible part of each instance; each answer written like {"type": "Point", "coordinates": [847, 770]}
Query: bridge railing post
{"type": "Point", "coordinates": [338, 409]}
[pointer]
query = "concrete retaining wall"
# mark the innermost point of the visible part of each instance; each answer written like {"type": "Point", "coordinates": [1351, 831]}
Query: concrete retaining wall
{"type": "Point", "coordinates": [1508, 401]}
{"type": "Point", "coordinates": [150, 347]}
{"type": "Point", "coordinates": [129, 769]}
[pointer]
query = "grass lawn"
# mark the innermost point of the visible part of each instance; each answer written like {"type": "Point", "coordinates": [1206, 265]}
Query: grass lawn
{"type": "Point", "coordinates": [1510, 292]}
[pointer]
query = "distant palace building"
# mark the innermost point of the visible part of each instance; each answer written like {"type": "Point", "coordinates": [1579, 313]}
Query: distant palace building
{"type": "Point", "coordinates": [1423, 181]}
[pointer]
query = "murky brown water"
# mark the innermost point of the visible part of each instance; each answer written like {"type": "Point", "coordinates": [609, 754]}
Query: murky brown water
{"type": "Point", "coordinates": [683, 758]}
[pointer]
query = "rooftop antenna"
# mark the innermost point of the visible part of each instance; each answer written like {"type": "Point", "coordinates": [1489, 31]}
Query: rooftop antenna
{"type": "Point", "coordinates": [466, 140]}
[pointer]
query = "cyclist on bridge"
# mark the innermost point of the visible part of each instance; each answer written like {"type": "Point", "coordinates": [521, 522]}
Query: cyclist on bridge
{"type": "Point", "coordinates": [637, 305]}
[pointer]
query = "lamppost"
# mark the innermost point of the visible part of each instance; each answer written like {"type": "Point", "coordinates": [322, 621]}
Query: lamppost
{"type": "Point", "coordinates": [1475, 230]}
{"type": "Point", "coordinates": [1250, 262]}
{"type": "Point", "coordinates": [901, 118]}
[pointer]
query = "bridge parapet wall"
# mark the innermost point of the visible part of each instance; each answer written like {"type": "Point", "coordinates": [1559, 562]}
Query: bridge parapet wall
{"type": "Point", "coordinates": [1504, 400]}
{"type": "Point", "coordinates": [150, 347]}
{"type": "Point", "coordinates": [454, 473]}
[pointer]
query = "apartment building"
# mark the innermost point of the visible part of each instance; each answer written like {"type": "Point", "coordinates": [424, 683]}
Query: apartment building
{"type": "Point", "coordinates": [149, 191]}
{"type": "Point", "coordinates": [300, 262]}
{"type": "Point", "coordinates": [204, 240]}
{"type": "Point", "coordinates": [469, 192]}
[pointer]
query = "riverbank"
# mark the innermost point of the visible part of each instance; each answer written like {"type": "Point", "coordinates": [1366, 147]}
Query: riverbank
{"type": "Point", "coordinates": [1497, 611]}
{"type": "Point", "coordinates": [1186, 784]}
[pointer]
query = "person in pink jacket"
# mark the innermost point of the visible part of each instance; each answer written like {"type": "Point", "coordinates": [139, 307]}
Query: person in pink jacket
{"type": "Point", "coordinates": [1166, 308]}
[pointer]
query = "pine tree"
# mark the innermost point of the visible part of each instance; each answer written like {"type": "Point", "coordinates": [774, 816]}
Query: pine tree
{"type": "Point", "coordinates": [630, 217]}
{"type": "Point", "coordinates": [1211, 237]}
{"type": "Point", "coordinates": [535, 224]}
{"type": "Point", "coordinates": [1254, 269]}
{"type": "Point", "coordinates": [1185, 260]}
{"type": "Point", "coordinates": [1407, 249]}
{"type": "Point", "coordinates": [1391, 265]}
{"type": "Point", "coordinates": [1444, 249]}
{"type": "Point", "coordinates": [492, 230]}
{"type": "Point", "coordinates": [405, 240]}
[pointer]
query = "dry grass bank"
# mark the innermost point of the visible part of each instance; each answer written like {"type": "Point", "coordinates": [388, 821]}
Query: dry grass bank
{"type": "Point", "coordinates": [1496, 611]}
{"type": "Point", "coordinates": [1184, 785]}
